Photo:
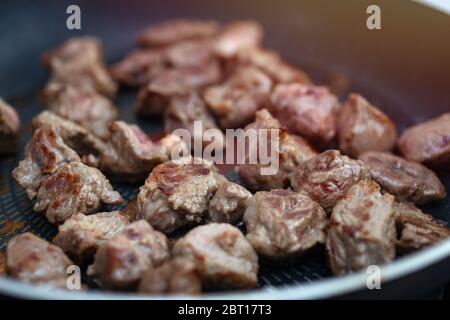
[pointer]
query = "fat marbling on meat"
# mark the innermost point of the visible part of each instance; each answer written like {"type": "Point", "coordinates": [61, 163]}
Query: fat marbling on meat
{"type": "Point", "coordinates": [9, 128]}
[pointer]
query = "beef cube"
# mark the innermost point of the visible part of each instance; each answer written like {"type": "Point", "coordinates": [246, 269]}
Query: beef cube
{"type": "Point", "coordinates": [283, 223]}
{"type": "Point", "coordinates": [187, 54]}
{"type": "Point", "coordinates": [9, 129]}
{"type": "Point", "coordinates": [427, 142]}
{"type": "Point", "coordinates": [327, 176]}
{"type": "Point", "coordinates": [120, 262]}
{"type": "Point", "coordinates": [363, 127]}
{"type": "Point", "coordinates": [406, 180]}
{"type": "Point", "coordinates": [222, 255]}
{"type": "Point", "coordinates": [236, 37]}
{"type": "Point", "coordinates": [34, 260]}
{"type": "Point", "coordinates": [361, 230]}
{"type": "Point", "coordinates": [81, 235]}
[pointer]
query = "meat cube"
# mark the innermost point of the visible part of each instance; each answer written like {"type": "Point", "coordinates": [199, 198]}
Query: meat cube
{"type": "Point", "coordinates": [283, 223]}
{"type": "Point", "coordinates": [361, 230]}
{"type": "Point", "coordinates": [272, 64]}
{"type": "Point", "coordinates": [44, 154]}
{"type": "Point", "coordinates": [222, 255]}
{"type": "Point", "coordinates": [79, 62]}
{"type": "Point", "coordinates": [327, 176]}
{"type": "Point", "coordinates": [120, 262]}
{"type": "Point", "coordinates": [32, 259]}
{"type": "Point", "coordinates": [308, 111]}
{"type": "Point", "coordinates": [131, 155]}
{"type": "Point", "coordinates": [176, 276]}
{"type": "Point", "coordinates": [192, 53]}
{"type": "Point", "coordinates": [235, 102]}
{"type": "Point", "coordinates": [238, 36]}
{"type": "Point", "coordinates": [81, 235]}
{"type": "Point", "coordinates": [84, 107]}
{"type": "Point", "coordinates": [174, 31]}
{"type": "Point", "coordinates": [154, 98]}
{"type": "Point", "coordinates": [139, 67]}
{"type": "Point", "coordinates": [9, 129]}
{"type": "Point", "coordinates": [177, 193]}
{"type": "Point", "coordinates": [417, 230]}
{"type": "Point", "coordinates": [76, 137]}
{"type": "Point", "coordinates": [292, 151]}
{"type": "Point", "coordinates": [74, 187]}
{"type": "Point", "coordinates": [363, 127]}
{"type": "Point", "coordinates": [406, 180]}
{"type": "Point", "coordinates": [427, 142]}
{"type": "Point", "coordinates": [228, 203]}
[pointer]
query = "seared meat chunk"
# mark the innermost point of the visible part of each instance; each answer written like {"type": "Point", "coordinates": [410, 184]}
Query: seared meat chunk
{"type": "Point", "coordinates": [427, 142]}
{"type": "Point", "coordinates": [176, 276]}
{"type": "Point", "coordinates": [81, 235]}
{"type": "Point", "coordinates": [228, 203]}
{"type": "Point", "coordinates": [192, 53]}
{"type": "Point", "coordinates": [222, 255]}
{"type": "Point", "coordinates": [131, 155]}
{"type": "Point", "coordinates": [120, 262]}
{"type": "Point", "coordinates": [173, 31]}
{"type": "Point", "coordinates": [361, 230]}
{"type": "Point", "coordinates": [417, 230]}
{"type": "Point", "coordinates": [32, 259]}
{"type": "Point", "coordinates": [363, 127]}
{"type": "Point", "coordinates": [154, 98]}
{"type": "Point", "coordinates": [283, 223]}
{"type": "Point", "coordinates": [84, 107]}
{"type": "Point", "coordinates": [406, 180]}
{"type": "Point", "coordinates": [79, 62]}
{"type": "Point", "coordinates": [76, 137]}
{"type": "Point", "coordinates": [235, 102]}
{"type": "Point", "coordinates": [177, 193]}
{"type": "Point", "coordinates": [44, 154]}
{"type": "Point", "coordinates": [138, 67]}
{"type": "Point", "coordinates": [9, 128]}
{"type": "Point", "coordinates": [238, 36]}
{"type": "Point", "coordinates": [74, 187]}
{"type": "Point", "coordinates": [292, 150]}
{"type": "Point", "coordinates": [308, 111]}
{"type": "Point", "coordinates": [327, 176]}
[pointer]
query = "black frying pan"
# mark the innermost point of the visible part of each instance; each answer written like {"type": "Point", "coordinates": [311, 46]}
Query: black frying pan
{"type": "Point", "coordinates": [403, 68]}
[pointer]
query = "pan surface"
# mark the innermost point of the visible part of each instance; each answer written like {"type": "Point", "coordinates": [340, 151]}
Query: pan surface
{"type": "Point", "coordinates": [403, 68]}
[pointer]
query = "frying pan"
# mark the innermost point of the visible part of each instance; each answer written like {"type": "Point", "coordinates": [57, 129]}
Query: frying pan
{"type": "Point", "coordinates": [403, 68]}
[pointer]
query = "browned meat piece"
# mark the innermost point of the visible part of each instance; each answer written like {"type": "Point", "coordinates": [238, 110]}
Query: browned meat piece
{"type": "Point", "coordinates": [75, 136]}
{"type": "Point", "coordinates": [192, 53]}
{"type": "Point", "coordinates": [74, 187]}
{"type": "Point", "coordinates": [139, 67]}
{"type": "Point", "coordinates": [176, 276]}
{"type": "Point", "coordinates": [361, 230]}
{"type": "Point", "coordinates": [32, 259]}
{"type": "Point", "coordinates": [81, 235]}
{"type": "Point", "coordinates": [177, 193]}
{"type": "Point", "coordinates": [154, 98]}
{"type": "Point", "coordinates": [271, 63]}
{"type": "Point", "coordinates": [84, 107]}
{"type": "Point", "coordinates": [283, 223]}
{"type": "Point", "coordinates": [292, 151]}
{"type": "Point", "coordinates": [173, 31]}
{"type": "Point", "coordinates": [427, 142]}
{"type": "Point", "coordinates": [238, 36]}
{"type": "Point", "coordinates": [327, 176]}
{"type": "Point", "coordinates": [183, 111]}
{"type": "Point", "coordinates": [236, 101]}
{"type": "Point", "coordinates": [308, 111]}
{"type": "Point", "coordinates": [228, 203]}
{"type": "Point", "coordinates": [44, 154]}
{"type": "Point", "coordinates": [79, 61]}
{"type": "Point", "coordinates": [120, 262]}
{"type": "Point", "coordinates": [417, 230]}
{"type": "Point", "coordinates": [406, 180]}
{"type": "Point", "coordinates": [363, 127]}
{"type": "Point", "coordinates": [222, 255]}
{"type": "Point", "coordinates": [9, 128]}
{"type": "Point", "coordinates": [131, 155]}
